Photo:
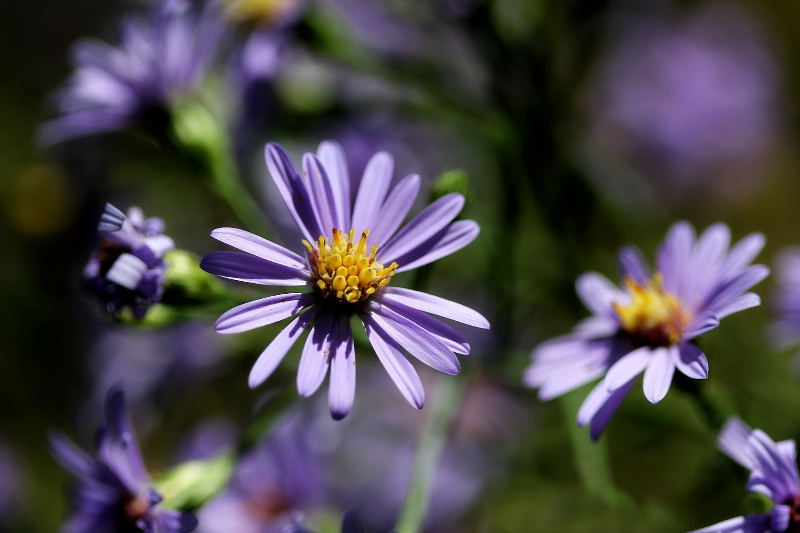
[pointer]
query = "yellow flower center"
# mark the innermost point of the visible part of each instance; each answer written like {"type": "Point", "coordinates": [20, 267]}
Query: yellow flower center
{"type": "Point", "coordinates": [342, 269]}
{"type": "Point", "coordinates": [653, 317]}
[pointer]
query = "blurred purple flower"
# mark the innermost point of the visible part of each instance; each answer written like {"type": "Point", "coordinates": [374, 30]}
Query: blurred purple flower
{"type": "Point", "coordinates": [773, 473]}
{"type": "Point", "coordinates": [114, 492]}
{"type": "Point", "coordinates": [127, 270]}
{"type": "Point", "coordinates": [785, 331]}
{"type": "Point", "coordinates": [692, 104]}
{"type": "Point", "coordinates": [348, 274]}
{"type": "Point", "coordinates": [271, 484]}
{"type": "Point", "coordinates": [160, 59]}
{"type": "Point", "coordinates": [648, 327]}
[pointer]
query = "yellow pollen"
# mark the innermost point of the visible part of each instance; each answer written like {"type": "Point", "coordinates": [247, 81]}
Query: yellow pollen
{"type": "Point", "coordinates": [653, 317]}
{"type": "Point", "coordinates": [342, 269]}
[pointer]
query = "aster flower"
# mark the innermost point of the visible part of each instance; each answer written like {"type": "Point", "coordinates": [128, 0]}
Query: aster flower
{"type": "Point", "coordinates": [346, 272]}
{"type": "Point", "coordinates": [114, 492]}
{"type": "Point", "coordinates": [648, 326]}
{"type": "Point", "coordinates": [127, 270]}
{"type": "Point", "coordinates": [160, 58]}
{"type": "Point", "coordinates": [773, 473]}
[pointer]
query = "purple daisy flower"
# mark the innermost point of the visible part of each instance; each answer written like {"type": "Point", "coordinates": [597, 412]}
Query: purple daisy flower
{"type": "Point", "coordinates": [160, 59]}
{"type": "Point", "coordinates": [127, 270]}
{"type": "Point", "coordinates": [347, 272]}
{"type": "Point", "coordinates": [773, 473]}
{"type": "Point", "coordinates": [114, 492]}
{"type": "Point", "coordinates": [648, 326]}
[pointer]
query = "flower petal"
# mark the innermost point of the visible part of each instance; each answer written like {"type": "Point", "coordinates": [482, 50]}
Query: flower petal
{"type": "Point", "coordinates": [598, 408]}
{"type": "Point", "coordinates": [262, 312]}
{"type": "Point", "coordinates": [261, 247]}
{"type": "Point", "coordinates": [316, 355]}
{"type": "Point", "coordinates": [633, 264]}
{"type": "Point", "coordinates": [400, 370]}
{"type": "Point", "coordinates": [417, 341]}
{"type": "Point", "coordinates": [658, 376]}
{"type": "Point", "coordinates": [436, 305]}
{"type": "Point", "coordinates": [395, 209]}
{"type": "Point", "coordinates": [598, 294]}
{"type": "Point", "coordinates": [742, 254]}
{"type": "Point", "coordinates": [451, 239]}
{"type": "Point", "coordinates": [732, 440]}
{"type": "Point", "coordinates": [690, 360]}
{"type": "Point", "coordinates": [271, 357]}
{"type": "Point", "coordinates": [342, 388]}
{"type": "Point", "coordinates": [425, 225]}
{"type": "Point", "coordinates": [673, 254]}
{"type": "Point", "coordinates": [372, 191]}
{"type": "Point", "coordinates": [321, 193]}
{"type": "Point", "coordinates": [335, 163]}
{"type": "Point", "coordinates": [449, 336]}
{"type": "Point", "coordinates": [756, 523]}
{"type": "Point", "coordinates": [293, 191]}
{"type": "Point", "coordinates": [251, 269]}
{"type": "Point", "coordinates": [627, 368]}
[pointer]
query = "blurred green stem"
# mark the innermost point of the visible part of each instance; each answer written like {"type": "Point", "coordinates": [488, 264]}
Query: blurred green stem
{"type": "Point", "coordinates": [198, 131]}
{"type": "Point", "coordinates": [432, 440]}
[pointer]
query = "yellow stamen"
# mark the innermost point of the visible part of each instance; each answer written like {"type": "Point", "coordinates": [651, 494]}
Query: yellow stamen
{"type": "Point", "coordinates": [653, 317]}
{"type": "Point", "coordinates": [343, 272]}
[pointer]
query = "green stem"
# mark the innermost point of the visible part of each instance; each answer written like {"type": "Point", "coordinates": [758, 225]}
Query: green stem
{"type": "Point", "coordinates": [432, 440]}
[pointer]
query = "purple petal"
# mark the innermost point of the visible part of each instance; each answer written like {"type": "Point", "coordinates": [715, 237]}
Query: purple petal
{"type": "Point", "coordinates": [271, 357]}
{"type": "Point", "coordinates": [321, 194]}
{"type": "Point", "coordinates": [170, 521]}
{"type": "Point", "coordinates": [674, 254]}
{"type": "Point", "coordinates": [262, 312]}
{"type": "Point", "coordinates": [627, 368]}
{"type": "Point", "coordinates": [258, 246]}
{"type": "Point", "coordinates": [747, 300]}
{"type": "Point", "coordinates": [397, 366]}
{"type": "Point", "coordinates": [416, 340]}
{"type": "Point", "coordinates": [757, 523]}
{"type": "Point", "coordinates": [730, 292]}
{"type": "Point", "coordinates": [372, 191]}
{"type": "Point", "coordinates": [772, 475]}
{"type": "Point", "coordinates": [742, 254]}
{"type": "Point", "coordinates": [779, 517]}
{"type": "Point", "coordinates": [395, 209]}
{"type": "Point", "coordinates": [699, 325]}
{"type": "Point", "coordinates": [293, 191]}
{"type": "Point", "coordinates": [436, 305]}
{"type": "Point", "coordinates": [449, 336]}
{"type": "Point", "coordinates": [342, 388]}
{"type": "Point", "coordinates": [453, 238]}
{"type": "Point", "coordinates": [690, 360]}
{"type": "Point", "coordinates": [598, 408]}
{"type": "Point", "coordinates": [82, 123]}
{"type": "Point", "coordinates": [80, 463]}
{"type": "Point", "coordinates": [658, 376]}
{"type": "Point", "coordinates": [333, 158]}
{"type": "Point", "coordinates": [633, 264]}
{"type": "Point", "coordinates": [251, 269]}
{"type": "Point", "coordinates": [425, 225]}
{"type": "Point", "coordinates": [732, 440]}
{"type": "Point", "coordinates": [316, 355]}
{"type": "Point", "coordinates": [598, 294]}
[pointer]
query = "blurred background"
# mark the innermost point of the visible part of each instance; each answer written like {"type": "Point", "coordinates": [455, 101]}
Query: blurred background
{"type": "Point", "coordinates": [582, 125]}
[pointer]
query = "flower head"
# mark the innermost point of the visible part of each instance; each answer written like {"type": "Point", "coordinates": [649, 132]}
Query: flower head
{"type": "Point", "coordinates": [114, 492]}
{"type": "Point", "coordinates": [786, 328]}
{"type": "Point", "coordinates": [350, 257]}
{"type": "Point", "coordinates": [127, 269]}
{"type": "Point", "coordinates": [648, 326]}
{"type": "Point", "coordinates": [773, 473]}
{"type": "Point", "coordinates": [159, 59]}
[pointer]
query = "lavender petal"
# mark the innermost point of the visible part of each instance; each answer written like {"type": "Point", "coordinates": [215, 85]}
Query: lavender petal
{"type": "Point", "coordinates": [293, 191]}
{"type": "Point", "coordinates": [271, 357]}
{"type": "Point", "coordinates": [251, 269]}
{"type": "Point", "coordinates": [628, 367]}
{"type": "Point", "coordinates": [263, 312]}
{"type": "Point", "coordinates": [436, 306]}
{"type": "Point", "coordinates": [400, 370]}
{"type": "Point", "coordinates": [395, 209]}
{"type": "Point", "coordinates": [453, 238]}
{"type": "Point", "coordinates": [261, 247]}
{"type": "Point", "coordinates": [342, 388]}
{"type": "Point", "coordinates": [316, 355]}
{"type": "Point", "coordinates": [658, 376]}
{"type": "Point", "coordinates": [372, 191]}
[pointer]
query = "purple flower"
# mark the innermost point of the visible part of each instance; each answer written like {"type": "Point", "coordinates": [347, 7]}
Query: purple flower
{"type": "Point", "coordinates": [114, 492]}
{"type": "Point", "coordinates": [127, 270]}
{"type": "Point", "coordinates": [347, 272]}
{"type": "Point", "coordinates": [773, 473]}
{"type": "Point", "coordinates": [159, 60]}
{"type": "Point", "coordinates": [648, 326]}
